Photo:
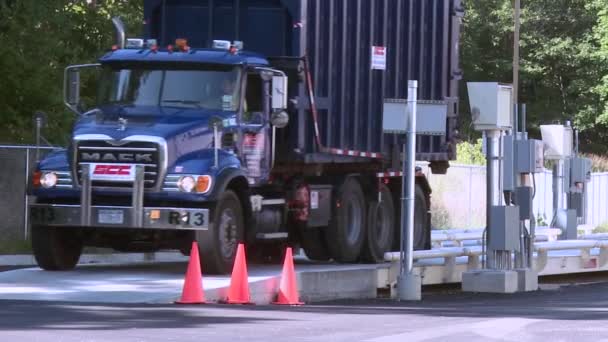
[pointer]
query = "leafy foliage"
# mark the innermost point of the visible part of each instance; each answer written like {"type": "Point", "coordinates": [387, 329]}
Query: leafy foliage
{"type": "Point", "coordinates": [470, 153]}
{"type": "Point", "coordinates": [564, 50]}
{"type": "Point", "coordinates": [41, 38]}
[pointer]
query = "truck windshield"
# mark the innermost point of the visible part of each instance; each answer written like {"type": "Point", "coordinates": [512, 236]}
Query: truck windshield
{"type": "Point", "coordinates": [214, 89]}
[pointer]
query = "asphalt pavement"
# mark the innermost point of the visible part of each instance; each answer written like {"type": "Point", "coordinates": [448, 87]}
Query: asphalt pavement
{"type": "Point", "coordinates": [562, 313]}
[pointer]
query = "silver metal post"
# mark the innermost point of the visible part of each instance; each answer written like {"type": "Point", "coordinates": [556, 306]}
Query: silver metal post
{"type": "Point", "coordinates": [26, 199]}
{"type": "Point", "coordinates": [138, 197]}
{"type": "Point", "coordinates": [409, 284]}
{"type": "Point", "coordinates": [216, 145]}
{"type": "Point", "coordinates": [556, 179]}
{"type": "Point", "coordinates": [274, 145]}
{"type": "Point", "coordinates": [38, 128]}
{"type": "Point", "coordinates": [490, 181]}
{"type": "Point", "coordinates": [85, 196]}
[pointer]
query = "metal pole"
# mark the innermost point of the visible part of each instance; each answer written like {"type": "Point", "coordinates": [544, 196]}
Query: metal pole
{"type": "Point", "coordinates": [27, 200]}
{"type": "Point", "coordinates": [516, 52]}
{"type": "Point", "coordinates": [409, 284]}
{"type": "Point", "coordinates": [216, 146]}
{"type": "Point", "coordinates": [407, 207]}
{"type": "Point", "coordinates": [38, 128]}
{"type": "Point", "coordinates": [470, 220]}
{"type": "Point", "coordinates": [490, 181]}
{"type": "Point", "coordinates": [556, 168]}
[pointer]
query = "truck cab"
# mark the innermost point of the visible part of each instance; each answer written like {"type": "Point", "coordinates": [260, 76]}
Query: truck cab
{"type": "Point", "coordinates": [174, 137]}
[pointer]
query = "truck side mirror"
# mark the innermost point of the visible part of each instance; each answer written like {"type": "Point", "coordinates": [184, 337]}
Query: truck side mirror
{"type": "Point", "coordinates": [279, 93]}
{"type": "Point", "coordinates": [71, 85]}
{"type": "Point", "coordinates": [73, 88]}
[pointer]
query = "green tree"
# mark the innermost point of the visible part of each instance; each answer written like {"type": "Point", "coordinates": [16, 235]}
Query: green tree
{"type": "Point", "coordinates": [39, 39]}
{"type": "Point", "coordinates": [564, 46]}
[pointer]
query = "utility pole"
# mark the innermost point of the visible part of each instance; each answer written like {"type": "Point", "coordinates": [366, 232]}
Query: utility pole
{"type": "Point", "coordinates": [516, 52]}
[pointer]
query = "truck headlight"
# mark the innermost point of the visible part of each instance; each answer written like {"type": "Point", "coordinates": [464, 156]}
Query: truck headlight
{"type": "Point", "coordinates": [186, 183]}
{"type": "Point", "coordinates": [199, 184]}
{"type": "Point", "coordinates": [48, 179]}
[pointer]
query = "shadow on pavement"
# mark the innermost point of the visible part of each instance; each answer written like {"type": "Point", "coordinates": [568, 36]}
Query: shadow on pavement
{"type": "Point", "coordinates": [574, 302]}
{"type": "Point", "coordinates": [31, 315]}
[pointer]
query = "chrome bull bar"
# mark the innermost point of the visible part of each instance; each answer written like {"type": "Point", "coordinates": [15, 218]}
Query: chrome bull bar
{"type": "Point", "coordinates": [108, 216]}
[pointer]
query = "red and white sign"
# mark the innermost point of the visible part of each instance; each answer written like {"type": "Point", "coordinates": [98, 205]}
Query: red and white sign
{"type": "Point", "coordinates": [113, 172]}
{"type": "Point", "coordinates": [378, 57]}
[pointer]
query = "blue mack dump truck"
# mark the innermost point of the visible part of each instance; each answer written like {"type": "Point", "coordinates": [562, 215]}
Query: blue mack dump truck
{"type": "Point", "coordinates": [255, 121]}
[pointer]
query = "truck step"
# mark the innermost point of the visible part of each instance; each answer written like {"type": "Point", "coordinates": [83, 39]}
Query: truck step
{"type": "Point", "coordinates": [272, 236]}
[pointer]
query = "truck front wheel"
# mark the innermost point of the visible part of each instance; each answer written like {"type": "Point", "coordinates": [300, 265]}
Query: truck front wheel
{"type": "Point", "coordinates": [218, 245]}
{"type": "Point", "coordinates": [346, 233]}
{"type": "Point", "coordinates": [56, 249]}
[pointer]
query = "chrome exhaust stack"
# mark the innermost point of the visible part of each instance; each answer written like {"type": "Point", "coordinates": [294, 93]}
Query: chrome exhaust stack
{"type": "Point", "coordinates": [119, 26]}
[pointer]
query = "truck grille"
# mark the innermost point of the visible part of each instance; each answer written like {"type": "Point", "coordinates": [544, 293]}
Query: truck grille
{"type": "Point", "coordinates": [135, 152]}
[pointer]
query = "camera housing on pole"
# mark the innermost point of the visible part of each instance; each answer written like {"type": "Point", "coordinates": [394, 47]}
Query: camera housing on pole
{"type": "Point", "coordinates": [571, 173]}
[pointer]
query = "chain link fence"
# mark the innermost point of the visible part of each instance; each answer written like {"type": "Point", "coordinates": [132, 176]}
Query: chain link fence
{"type": "Point", "coordinates": [16, 162]}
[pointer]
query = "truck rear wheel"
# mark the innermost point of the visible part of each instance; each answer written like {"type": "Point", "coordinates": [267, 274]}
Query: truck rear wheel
{"type": "Point", "coordinates": [346, 233]}
{"type": "Point", "coordinates": [380, 227]}
{"type": "Point", "coordinates": [422, 228]}
{"type": "Point", "coordinates": [56, 249]}
{"type": "Point", "coordinates": [218, 245]}
{"type": "Point", "coordinates": [421, 225]}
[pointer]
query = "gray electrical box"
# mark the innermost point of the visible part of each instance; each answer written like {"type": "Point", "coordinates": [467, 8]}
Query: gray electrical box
{"type": "Point", "coordinates": [580, 170]}
{"type": "Point", "coordinates": [504, 228]}
{"type": "Point", "coordinates": [529, 156]}
{"type": "Point", "coordinates": [523, 199]}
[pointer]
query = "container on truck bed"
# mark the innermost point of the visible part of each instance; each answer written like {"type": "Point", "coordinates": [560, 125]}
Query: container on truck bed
{"type": "Point", "coordinates": [256, 121]}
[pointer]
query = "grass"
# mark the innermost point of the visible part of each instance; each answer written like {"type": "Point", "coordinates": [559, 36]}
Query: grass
{"type": "Point", "coordinates": [603, 228]}
{"type": "Point", "coordinates": [15, 246]}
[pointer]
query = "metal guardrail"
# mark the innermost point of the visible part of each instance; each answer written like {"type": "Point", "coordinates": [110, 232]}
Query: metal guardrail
{"type": "Point", "coordinates": [458, 236]}
{"type": "Point", "coordinates": [446, 264]}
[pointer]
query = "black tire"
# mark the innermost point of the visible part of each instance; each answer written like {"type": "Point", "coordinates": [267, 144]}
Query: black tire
{"type": "Point", "coordinates": [380, 227]}
{"type": "Point", "coordinates": [346, 233]}
{"type": "Point", "coordinates": [312, 240]}
{"type": "Point", "coordinates": [56, 249]}
{"type": "Point", "coordinates": [422, 228]}
{"type": "Point", "coordinates": [218, 245]}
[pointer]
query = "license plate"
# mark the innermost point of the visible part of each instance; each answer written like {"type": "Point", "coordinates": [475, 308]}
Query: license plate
{"type": "Point", "coordinates": [109, 216]}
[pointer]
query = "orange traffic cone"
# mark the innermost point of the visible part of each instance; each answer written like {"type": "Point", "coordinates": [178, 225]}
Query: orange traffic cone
{"type": "Point", "coordinates": [193, 284]}
{"type": "Point", "coordinates": [288, 288]}
{"type": "Point", "coordinates": [239, 283]}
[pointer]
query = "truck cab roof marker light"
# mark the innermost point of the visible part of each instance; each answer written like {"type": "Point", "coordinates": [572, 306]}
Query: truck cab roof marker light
{"type": "Point", "coordinates": [182, 44]}
{"type": "Point", "coordinates": [221, 44]}
{"type": "Point", "coordinates": [134, 43]}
